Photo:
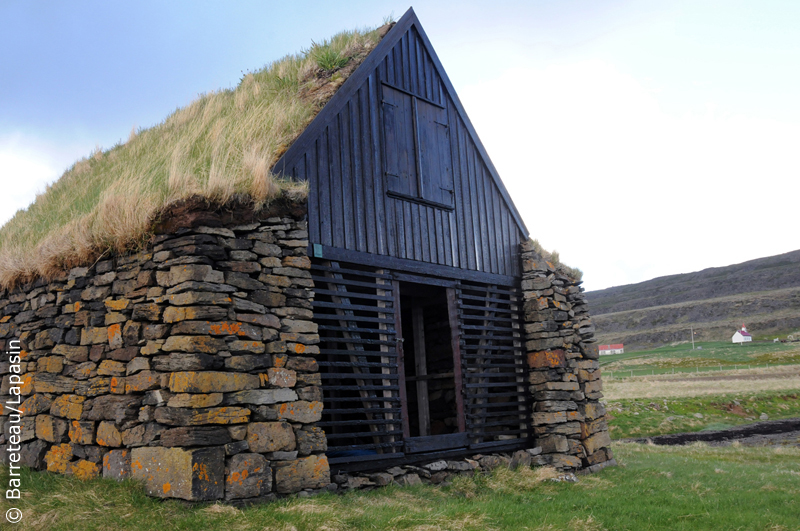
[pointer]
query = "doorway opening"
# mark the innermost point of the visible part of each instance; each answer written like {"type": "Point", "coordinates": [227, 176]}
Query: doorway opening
{"type": "Point", "coordinates": [431, 370]}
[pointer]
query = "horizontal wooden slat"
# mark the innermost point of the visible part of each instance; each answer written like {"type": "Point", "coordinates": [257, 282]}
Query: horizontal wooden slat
{"type": "Point", "coordinates": [359, 353]}
{"type": "Point", "coordinates": [352, 295]}
{"type": "Point", "coordinates": [351, 307]}
{"type": "Point", "coordinates": [352, 318]}
{"type": "Point", "coordinates": [347, 271]}
{"type": "Point", "coordinates": [361, 388]}
{"type": "Point", "coordinates": [335, 328]}
{"type": "Point", "coordinates": [346, 283]}
{"type": "Point", "coordinates": [358, 376]}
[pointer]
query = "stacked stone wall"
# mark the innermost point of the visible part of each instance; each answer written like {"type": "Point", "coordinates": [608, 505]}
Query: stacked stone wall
{"type": "Point", "coordinates": [569, 421]}
{"type": "Point", "coordinates": [189, 366]}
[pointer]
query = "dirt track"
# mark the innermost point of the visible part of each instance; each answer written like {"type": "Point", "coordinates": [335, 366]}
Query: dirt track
{"type": "Point", "coordinates": [732, 377]}
{"type": "Point", "coordinates": [767, 433]}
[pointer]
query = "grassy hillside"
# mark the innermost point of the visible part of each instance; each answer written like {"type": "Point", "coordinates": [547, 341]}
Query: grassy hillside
{"type": "Point", "coordinates": [764, 294]}
{"type": "Point", "coordinates": [763, 274]}
{"type": "Point", "coordinates": [218, 147]}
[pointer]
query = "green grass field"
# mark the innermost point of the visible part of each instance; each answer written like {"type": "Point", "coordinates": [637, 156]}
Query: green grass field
{"type": "Point", "coordinates": [680, 488]}
{"type": "Point", "coordinates": [647, 417]}
{"type": "Point", "coordinates": [705, 356]}
{"type": "Point", "coordinates": [655, 487]}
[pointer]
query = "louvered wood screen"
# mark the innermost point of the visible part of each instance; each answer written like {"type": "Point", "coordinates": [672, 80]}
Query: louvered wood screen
{"type": "Point", "coordinates": [354, 309]}
{"type": "Point", "coordinates": [496, 405]}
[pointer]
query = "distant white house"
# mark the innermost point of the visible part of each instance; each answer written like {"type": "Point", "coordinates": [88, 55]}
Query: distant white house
{"type": "Point", "coordinates": [741, 336]}
{"type": "Point", "coordinates": [619, 348]}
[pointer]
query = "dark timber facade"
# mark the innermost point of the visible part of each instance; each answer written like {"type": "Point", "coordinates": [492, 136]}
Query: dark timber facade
{"type": "Point", "coordinates": [415, 249]}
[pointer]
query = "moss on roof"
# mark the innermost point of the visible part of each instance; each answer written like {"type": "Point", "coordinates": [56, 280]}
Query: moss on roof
{"type": "Point", "coordinates": [220, 147]}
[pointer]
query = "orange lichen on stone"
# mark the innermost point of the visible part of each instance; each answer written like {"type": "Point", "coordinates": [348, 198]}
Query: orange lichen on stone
{"type": "Point", "coordinates": [117, 305]}
{"type": "Point", "coordinates": [211, 382]}
{"type": "Point", "coordinates": [27, 384]}
{"type": "Point", "coordinates": [546, 359]}
{"type": "Point", "coordinates": [299, 348]}
{"type": "Point", "coordinates": [166, 488]}
{"type": "Point", "coordinates": [84, 469]}
{"type": "Point", "coordinates": [225, 328]}
{"type": "Point", "coordinates": [81, 432]}
{"type": "Point", "coordinates": [68, 406]}
{"type": "Point", "coordinates": [58, 457]}
{"type": "Point", "coordinates": [115, 335]}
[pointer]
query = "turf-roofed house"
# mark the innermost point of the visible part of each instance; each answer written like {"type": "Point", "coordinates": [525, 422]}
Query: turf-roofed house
{"type": "Point", "coordinates": [323, 284]}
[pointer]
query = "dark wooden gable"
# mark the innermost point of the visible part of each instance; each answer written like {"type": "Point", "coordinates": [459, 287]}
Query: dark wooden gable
{"type": "Point", "coordinates": [398, 177]}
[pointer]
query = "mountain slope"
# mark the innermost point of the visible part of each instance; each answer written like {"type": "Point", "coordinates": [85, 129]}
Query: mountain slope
{"type": "Point", "coordinates": [762, 293]}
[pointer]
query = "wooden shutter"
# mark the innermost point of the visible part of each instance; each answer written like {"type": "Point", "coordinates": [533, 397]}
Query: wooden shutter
{"type": "Point", "coordinates": [496, 403]}
{"type": "Point", "coordinates": [399, 145]}
{"type": "Point", "coordinates": [434, 153]}
{"type": "Point", "coordinates": [354, 310]}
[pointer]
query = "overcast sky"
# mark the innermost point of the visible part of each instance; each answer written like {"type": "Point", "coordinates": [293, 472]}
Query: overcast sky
{"type": "Point", "coordinates": [637, 138]}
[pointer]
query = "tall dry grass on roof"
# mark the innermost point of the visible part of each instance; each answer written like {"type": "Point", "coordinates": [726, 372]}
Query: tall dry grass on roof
{"type": "Point", "coordinates": [220, 146]}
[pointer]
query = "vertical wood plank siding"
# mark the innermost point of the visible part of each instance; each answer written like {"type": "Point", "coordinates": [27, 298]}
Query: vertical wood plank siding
{"type": "Point", "coordinates": [349, 207]}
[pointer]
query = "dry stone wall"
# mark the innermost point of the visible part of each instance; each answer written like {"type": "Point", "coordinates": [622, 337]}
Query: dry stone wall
{"type": "Point", "coordinates": [189, 366]}
{"type": "Point", "coordinates": [569, 421]}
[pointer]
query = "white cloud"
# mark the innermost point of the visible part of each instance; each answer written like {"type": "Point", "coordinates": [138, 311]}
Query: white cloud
{"type": "Point", "coordinates": [27, 165]}
{"type": "Point", "coordinates": [626, 191]}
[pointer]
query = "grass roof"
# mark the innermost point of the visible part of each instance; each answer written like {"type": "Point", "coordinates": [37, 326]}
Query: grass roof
{"type": "Point", "coordinates": [220, 147]}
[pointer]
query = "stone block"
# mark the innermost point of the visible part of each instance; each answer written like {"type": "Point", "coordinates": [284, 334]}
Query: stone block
{"type": "Point", "coordinates": [51, 364]}
{"type": "Point", "coordinates": [83, 469]}
{"type": "Point", "coordinates": [194, 272]}
{"type": "Point", "coordinates": [592, 410]}
{"type": "Point", "coordinates": [142, 381]}
{"type": "Point", "coordinates": [300, 411]}
{"type": "Point", "coordinates": [204, 344]}
{"type": "Point", "coordinates": [176, 314]}
{"type": "Point", "coordinates": [112, 407]}
{"type": "Point", "coordinates": [549, 418]}
{"type": "Point", "coordinates": [311, 472]}
{"type": "Point", "coordinates": [190, 298]}
{"type": "Point", "coordinates": [597, 441]}
{"type": "Point", "coordinates": [279, 377]}
{"type": "Point", "coordinates": [247, 475]}
{"type": "Point", "coordinates": [546, 359]}
{"type": "Point", "coordinates": [248, 362]}
{"type": "Point", "coordinates": [195, 436]}
{"type": "Point", "coordinates": [35, 404]}
{"type": "Point", "coordinates": [94, 336]}
{"type": "Point", "coordinates": [196, 474]}
{"type": "Point", "coordinates": [211, 382]}
{"type": "Point", "coordinates": [270, 437]}
{"type": "Point", "coordinates": [108, 435]}
{"type": "Point", "coordinates": [261, 396]}
{"type": "Point", "coordinates": [81, 432]}
{"type": "Point", "coordinates": [563, 461]}
{"type": "Point", "coordinates": [32, 454]}
{"type": "Point", "coordinates": [141, 434]}
{"type": "Point", "coordinates": [553, 444]}
{"type": "Point", "coordinates": [68, 407]}
{"type": "Point", "coordinates": [594, 386]}
{"type": "Point", "coordinates": [311, 440]}
{"type": "Point", "coordinates": [123, 354]}
{"type": "Point", "coordinates": [58, 458]}
{"type": "Point", "coordinates": [51, 429]}
{"type": "Point", "coordinates": [111, 368]}
{"type": "Point", "coordinates": [136, 365]}
{"type": "Point", "coordinates": [196, 417]}
{"type": "Point", "coordinates": [195, 400]}
{"type": "Point", "coordinates": [75, 354]}
{"type": "Point", "coordinates": [186, 361]}
{"type": "Point", "coordinates": [117, 464]}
